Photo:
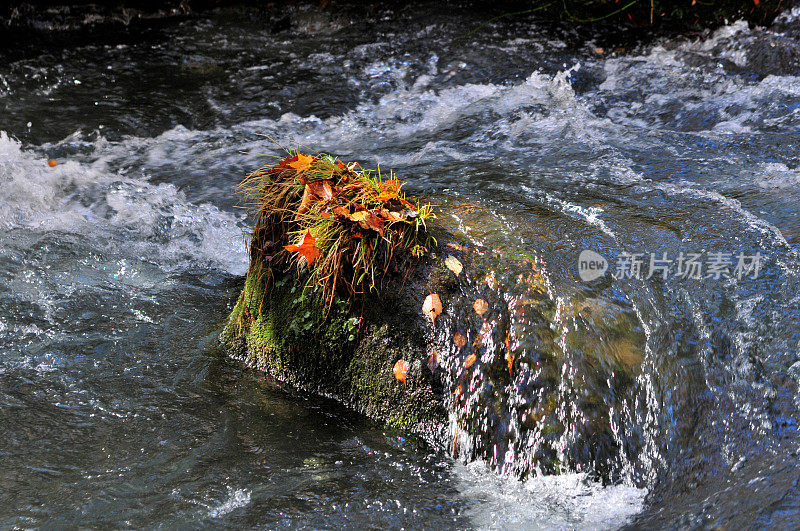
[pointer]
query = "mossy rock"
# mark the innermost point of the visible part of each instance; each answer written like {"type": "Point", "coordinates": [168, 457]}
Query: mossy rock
{"type": "Point", "coordinates": [345, 352]}
{"type": "Point", "coordinates": [513, 404]}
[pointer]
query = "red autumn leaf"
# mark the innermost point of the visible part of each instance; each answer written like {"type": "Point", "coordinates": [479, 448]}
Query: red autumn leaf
{"type": "Point", "coordinates": [302, 163]}
{"type": "Point", "coordinates": [349, 167]}
{"type": "Point", "coordinates": [433, 360]}
{"type": "Point", "coordinates": [470, 361]}
{"type": "Point", "coordinates": [282, 165]}
{"type": "Point", "coordinates": [459, 390]}
{"type": "Point", "coordinates": [401, 370]}
{"type": "Point", "coordinates": [307, 248]}
{"type": "Point", "coordinates": [318, 190]}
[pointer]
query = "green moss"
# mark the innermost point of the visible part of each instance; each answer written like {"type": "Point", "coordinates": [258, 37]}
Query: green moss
{"type": "Point", "coordinates": [282, 328]}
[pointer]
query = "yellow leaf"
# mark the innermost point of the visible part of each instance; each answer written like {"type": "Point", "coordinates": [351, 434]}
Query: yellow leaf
{"type": "Point", "coordinates": [432, 307]}
{"type": "Point", "coordinates": [453, 264]}
{"type": "Point", "coordinates": [302, 163]}
{"type": "Point", "coordinates": [480, 306]}
{"type": "Point", "coordinates": [358, 216]}
{"type": "Point", "coordinates": [470, 361]}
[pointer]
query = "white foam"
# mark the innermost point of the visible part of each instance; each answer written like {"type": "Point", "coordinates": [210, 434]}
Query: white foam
{"type": "Point", "coordinates": [131, 216]}
{"type": "Point", "coordinates": [236, 499]}
{"type": "Point", "coordinates": [569, 501]}
{"type": "Point", "coordinates": [776, 175]}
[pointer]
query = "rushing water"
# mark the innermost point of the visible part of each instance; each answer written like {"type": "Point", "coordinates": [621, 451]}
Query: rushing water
{"type": "Point", "coordinates": [118, 266]}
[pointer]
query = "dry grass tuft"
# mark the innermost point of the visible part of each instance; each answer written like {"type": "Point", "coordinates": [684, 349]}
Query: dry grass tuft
{"type": "Point", "coordinates": [347, 225]}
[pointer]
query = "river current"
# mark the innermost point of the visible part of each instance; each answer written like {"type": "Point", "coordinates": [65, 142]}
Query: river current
{"type": "Point", "coordinates": [119, 264]}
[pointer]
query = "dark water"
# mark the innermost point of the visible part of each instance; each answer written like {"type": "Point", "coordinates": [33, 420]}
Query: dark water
{"type": "Point", "coordinates": [118, 266]}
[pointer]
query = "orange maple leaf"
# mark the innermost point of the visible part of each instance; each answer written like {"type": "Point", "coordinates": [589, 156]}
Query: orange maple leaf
{"type": "Point", "coordinates": [302, 163]}
{"type": "Point", "coordinates": [400, 370]}
{"type": "Point", "coordinates": [307, 248]}
{"type": "Point", "coordinates": [386, 196]}
{"type": "Point", "coordinates": [389, 190]}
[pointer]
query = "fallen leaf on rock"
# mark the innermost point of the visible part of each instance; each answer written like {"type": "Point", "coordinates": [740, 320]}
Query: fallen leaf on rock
{"type": "Point", "coordinates": [401, 370]}
{"type": "Point", "coordinates": [359, 216]}
{"type": "Point", "coordinates": [509, 355]}
{"type": "Point", "coordinates": [321, 190]}
{"type": "Point", "coordinates": [371, 221]}
{"type": "Point", "coordinates": [394, 217]}
{"type": "Point", "coordinates": [457, 247]}
{"type": "Point", "coordinates": [302, 163]}
{"type": "Point", "coordinates": [432, 307]}
{"type": "Point", "coordinates": [407, 204]}
{"type": "Point", "coordinates": [386, 196]}
{"type": "Point", "coordinates": [484, 335]}
{"type": "Point", "coordinates": [470, 361]}
{"type": "Point", "coordinates": [459, 340]}
{"type": "Point", "coordinates": [341, 211]}
{"type": "Point", "coordinates": [433, 360]}
{"type": "Point", "coordinates": [453, 265]}
{"type": "Point", "coordinates": [307, 248]}
{"type": "Point", "coordinates": [480, 306]}
{"type": "Point", "coordinates": [305, 203]}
